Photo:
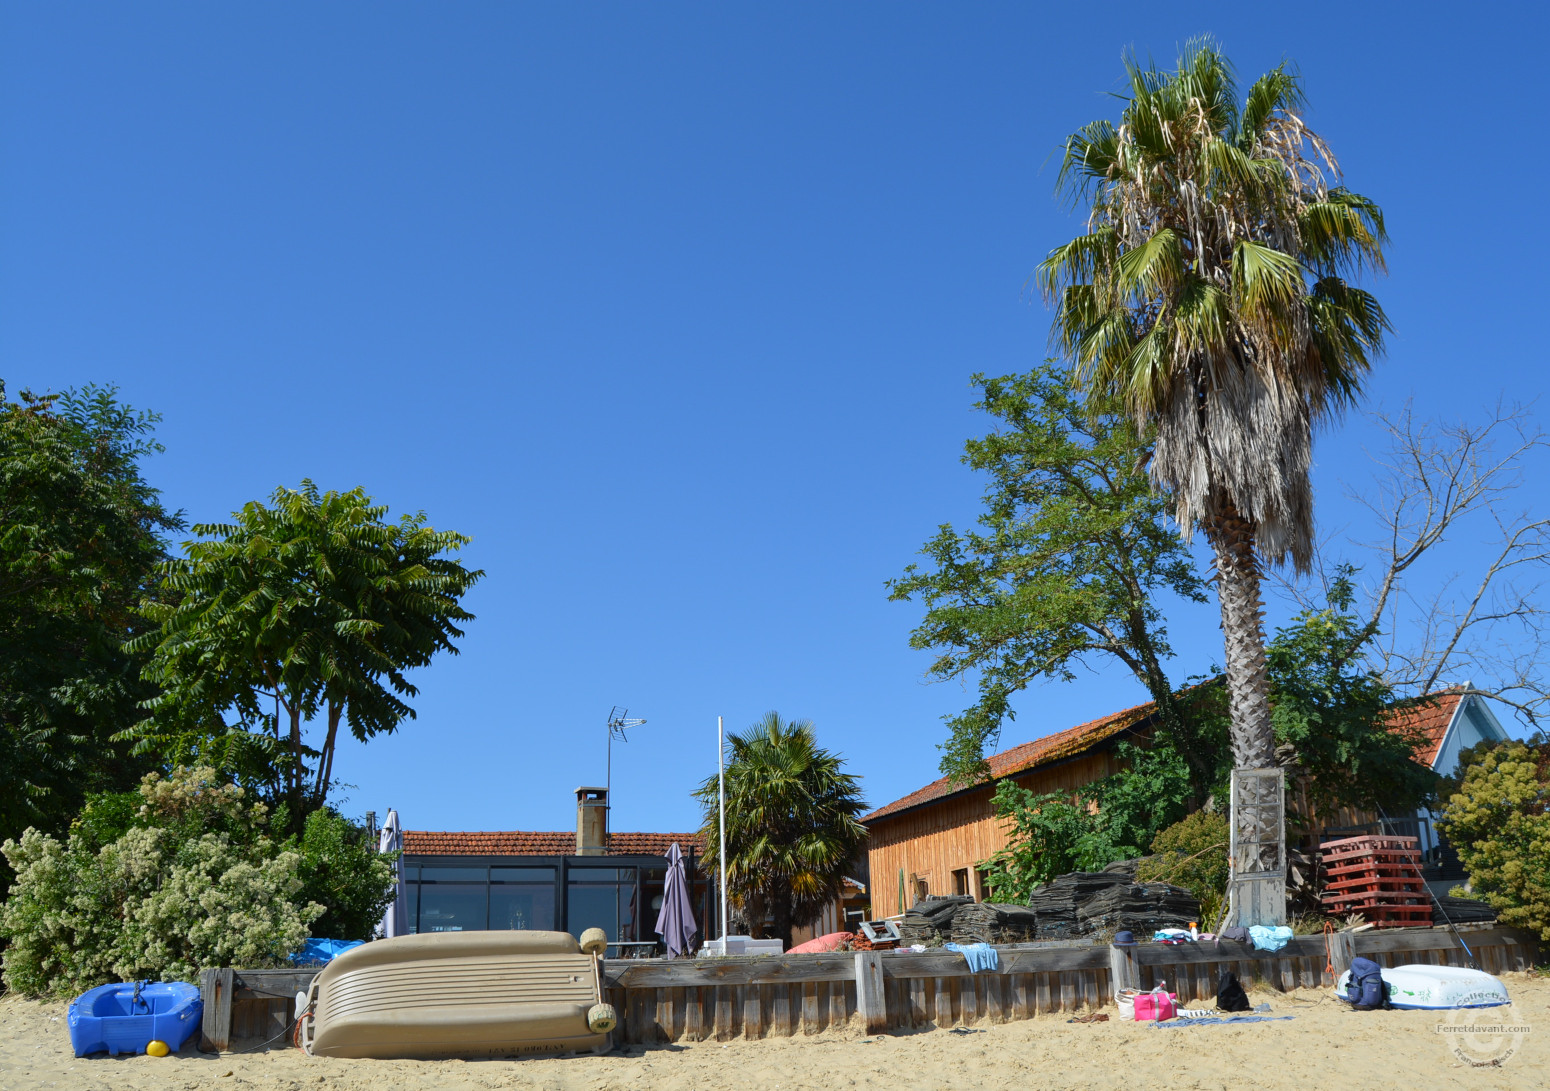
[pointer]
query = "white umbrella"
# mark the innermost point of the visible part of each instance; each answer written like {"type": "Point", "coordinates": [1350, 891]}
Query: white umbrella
{"type": "Point", "coordinates": [395, 921]}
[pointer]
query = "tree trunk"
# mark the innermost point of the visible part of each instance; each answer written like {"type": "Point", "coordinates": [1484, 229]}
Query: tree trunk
{"type": "Point", "coordinates": [326, 758]}
{"type": "Point", "coordinates": [1243, 628]}
{"type": "Point", "coordinates": [298, 769]}
{"type": "Point", "coordinates": [1257, 887]}
{"type": "Point", "coordinates": [780, 927]}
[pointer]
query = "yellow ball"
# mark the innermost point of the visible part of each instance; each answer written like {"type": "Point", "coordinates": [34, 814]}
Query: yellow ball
{"type": "Point", "coordinates": [157, 1048]}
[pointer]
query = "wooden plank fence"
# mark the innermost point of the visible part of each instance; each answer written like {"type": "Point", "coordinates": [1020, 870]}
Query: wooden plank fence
{"type": "Point", "coordinates": [665, 1000]}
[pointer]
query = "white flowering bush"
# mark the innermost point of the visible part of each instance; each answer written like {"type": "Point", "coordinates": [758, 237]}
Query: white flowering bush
{"type": "Point", "coordinates": [199, 884]}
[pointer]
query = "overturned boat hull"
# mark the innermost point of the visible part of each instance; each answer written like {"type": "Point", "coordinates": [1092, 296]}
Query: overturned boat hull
{"type": "Point", "coordinates": [457, 994]}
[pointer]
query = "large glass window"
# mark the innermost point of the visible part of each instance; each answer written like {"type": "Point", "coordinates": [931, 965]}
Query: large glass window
{"type": "Point", "coordinates": [453, 907]}
{"type": "Point", "coordinates": [602, 898]}
{"type": "Point", "coordinates": [522, 898]}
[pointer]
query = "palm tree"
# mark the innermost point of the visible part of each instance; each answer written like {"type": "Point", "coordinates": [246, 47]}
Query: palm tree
{"type": "Point", "coordinates": [1210, 296]}
{"type": "Point", "coordinates": [791, 824]}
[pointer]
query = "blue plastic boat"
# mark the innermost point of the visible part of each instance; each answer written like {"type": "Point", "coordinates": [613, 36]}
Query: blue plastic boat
{"type": "Point", "coordinates": [125, 1018]}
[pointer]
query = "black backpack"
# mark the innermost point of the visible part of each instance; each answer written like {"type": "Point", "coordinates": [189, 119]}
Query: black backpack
{"type": "Point", "coordinates": [1230, 995]}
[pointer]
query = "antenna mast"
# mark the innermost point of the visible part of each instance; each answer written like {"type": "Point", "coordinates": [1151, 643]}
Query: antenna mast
{"type": "Point", "coordinates": [618, 723]}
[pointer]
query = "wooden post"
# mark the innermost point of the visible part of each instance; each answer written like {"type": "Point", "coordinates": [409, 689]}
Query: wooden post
{"type": "Point", "coordinates": [1123, 972]}
{"type": "Point", "coordinates": [1342, 949]}
{"type": "Point", "coordinates": [215, 989]}
{"type": "Point", "coordinates": [870, 998]}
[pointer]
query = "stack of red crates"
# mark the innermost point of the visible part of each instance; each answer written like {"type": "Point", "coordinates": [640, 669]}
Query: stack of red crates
{"type": "Point", "coordinates": [1378, 877]}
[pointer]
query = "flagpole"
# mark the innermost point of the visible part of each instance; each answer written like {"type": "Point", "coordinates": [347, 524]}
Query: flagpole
{"type": "Point", "coordinates": [721, 799]}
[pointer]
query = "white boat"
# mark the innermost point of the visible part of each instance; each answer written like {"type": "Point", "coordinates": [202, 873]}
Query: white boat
{"type": "Point", "coordinates": [1435, 988]}
{"type": "Point", "coordinates": [461, 994]}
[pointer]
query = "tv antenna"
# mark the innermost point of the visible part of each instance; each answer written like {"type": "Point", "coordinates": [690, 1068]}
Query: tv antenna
{"type": "Point", "coordinates": [618, 723]}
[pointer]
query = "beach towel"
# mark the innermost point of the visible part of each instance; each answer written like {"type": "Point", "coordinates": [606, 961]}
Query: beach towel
{"type": "Point", "coordinates": [1270, 938]}
{"type": "Point", "coordinates": [979, 956]}
{"type": "Point", "coordinates": [1222, 1019]}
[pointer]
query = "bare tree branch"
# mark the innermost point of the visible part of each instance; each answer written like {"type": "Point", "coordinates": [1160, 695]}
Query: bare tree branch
{"type": "Point", "coordinates": [1440, 489]}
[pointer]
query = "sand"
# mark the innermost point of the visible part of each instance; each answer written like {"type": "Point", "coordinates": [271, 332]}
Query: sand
{"type": "Point", "coordinates": [1323, 1046]}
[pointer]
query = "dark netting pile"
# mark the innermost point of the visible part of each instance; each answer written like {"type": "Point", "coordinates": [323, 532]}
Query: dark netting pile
{"type": "Point", "coordinates": [1057, 901]}
{"type": "Point", "coordinates": [1462, 911]}
{"type": "Point", "coordinates": [931, 918]}
{"type": "Point", "coordinates": [989, 922]}
{"type": "Point", "coordinates": [1141, 908]}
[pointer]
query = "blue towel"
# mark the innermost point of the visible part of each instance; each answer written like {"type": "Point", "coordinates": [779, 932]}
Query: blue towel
{"type": "Point", "coordinates": [979, 956]}
{"type": "Point", "coordinates": [1219, 1019]}
{"type": "Point", "coordinates": [1270, 939]}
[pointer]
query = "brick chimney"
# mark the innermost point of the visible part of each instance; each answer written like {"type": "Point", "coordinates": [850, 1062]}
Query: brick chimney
{"type": "Point", "coordinates": [591, 821]}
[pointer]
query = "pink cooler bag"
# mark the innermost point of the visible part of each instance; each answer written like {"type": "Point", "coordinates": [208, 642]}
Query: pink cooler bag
{"type": "Point", "coordinates": [1156, 1006]}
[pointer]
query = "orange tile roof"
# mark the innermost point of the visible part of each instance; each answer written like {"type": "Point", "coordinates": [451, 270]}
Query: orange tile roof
{"type": "Point", "coordinates": [1429, 718]}
{"type": "Point", "coordinates": [539, 843]}
{"type": "Point", "coordinates": [1030, 755]}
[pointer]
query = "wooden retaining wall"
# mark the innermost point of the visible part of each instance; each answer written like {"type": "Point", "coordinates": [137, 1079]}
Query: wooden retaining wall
{"type": "Point", "coordinates": [665, 1000]}
{"type": "Point", "coordinates": [669, 1001]}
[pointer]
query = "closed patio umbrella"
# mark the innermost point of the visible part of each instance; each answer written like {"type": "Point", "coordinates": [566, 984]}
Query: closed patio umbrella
{"type": "Point", "coordinates": [675, 923]}
{"type": "Point", "coordinates": [395, 919]}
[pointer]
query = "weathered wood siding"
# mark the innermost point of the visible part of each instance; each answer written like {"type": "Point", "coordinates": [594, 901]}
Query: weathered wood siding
{"type": "Point", "coordinates": [959, 832]}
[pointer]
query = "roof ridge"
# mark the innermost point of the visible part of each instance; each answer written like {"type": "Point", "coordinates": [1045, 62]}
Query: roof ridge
{"type": "Point", "coordinates": [1040, 751]}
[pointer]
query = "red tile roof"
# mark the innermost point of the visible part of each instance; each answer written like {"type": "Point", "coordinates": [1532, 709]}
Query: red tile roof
{"type": "Point", "coordinates": [538, 843]}
{"type": "Point", "coordinates": [1030, 755]}
{"type": "Point", "coordinates": [1429, 719]}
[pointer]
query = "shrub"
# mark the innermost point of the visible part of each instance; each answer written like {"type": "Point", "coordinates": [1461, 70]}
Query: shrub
{"type": "Point", "coordinates": [1498, 823]}
{"type": "Point", "coordinates": [1192, 853]}
{"type": "Point", "coordinates": [345, 874]}
{"type": "Point", "coordinates": [194, 882]}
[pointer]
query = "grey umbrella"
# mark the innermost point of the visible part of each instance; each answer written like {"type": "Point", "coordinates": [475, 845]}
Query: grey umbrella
{"type": "Point", "coordinates": [675, 923]}
{"type": "Point", "coordinates": [395, 920]}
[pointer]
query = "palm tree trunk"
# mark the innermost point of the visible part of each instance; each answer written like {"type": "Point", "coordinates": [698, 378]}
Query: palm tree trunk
{"type": "Point", "coordinates": [1243, 626]}
{"type": "Point", "coordinates": [1257, 884]}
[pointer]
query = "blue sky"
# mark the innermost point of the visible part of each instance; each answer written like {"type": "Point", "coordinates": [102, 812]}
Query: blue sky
{"type": "Point", "coordinates": [673, 308]}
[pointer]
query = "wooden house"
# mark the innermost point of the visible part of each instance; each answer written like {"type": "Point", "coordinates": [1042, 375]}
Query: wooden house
{"type": "Point", "coordinates": [936, 838]}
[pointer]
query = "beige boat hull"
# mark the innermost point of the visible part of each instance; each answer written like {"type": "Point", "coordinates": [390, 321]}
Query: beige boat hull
{"type": "Point", "coordinates": [456, 994]}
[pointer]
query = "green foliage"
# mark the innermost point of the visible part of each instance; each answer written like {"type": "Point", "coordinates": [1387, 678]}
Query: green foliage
{"type": "Point", "coordinates": [1068, 562]}
{"type": "Point", "coordinates": [314, 607]}
{"type": "Point", "coordinates": [1049, 836]}
{"type": "Point", "coordinates": [1499, 822]}
{"type": "Point", "coordinates": [80, 539]}
{"type": "Point", "coordinates": [343, 872]}
{"type": "Point", "coordinates": [792, 829]}
{"type": "Point", "coordinates": [195, 881]}
{"type": "Point", "coordinates": [1334, 713]}
{"type": "Point", "coordinates": [1192, 853]}
{"type": "Point", "coordinates": [1109, 820]}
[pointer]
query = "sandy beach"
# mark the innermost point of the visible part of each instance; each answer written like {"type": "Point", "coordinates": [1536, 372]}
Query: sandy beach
{"type": "Point", "coordinates": [1323, 1045]}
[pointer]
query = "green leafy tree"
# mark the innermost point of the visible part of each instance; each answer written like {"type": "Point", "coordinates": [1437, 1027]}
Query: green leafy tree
{"type": "Point", "coordinates": [195, 880]}
{"type": "Point", "coordinates": [315, 607]}
{"type": "Point", "coordinates": [341, 871]}
{"type": "Point", "coordinates": [792, 824]}
{"type": "Point", "coordinates": [1192, 853]}
{"type": "Point", "coordinates": [80, 539]}
{"type": "Point", "coordinates": [1499, 821]}
{"type": "Point", "coordinates": [1333, 714]}
{"type": "Point", "coordinates": [1067, 565]}
{"type": "Point", "coordinates": [1049, 834]}
{"type": "Point", "coordinates": [1209, 297]}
